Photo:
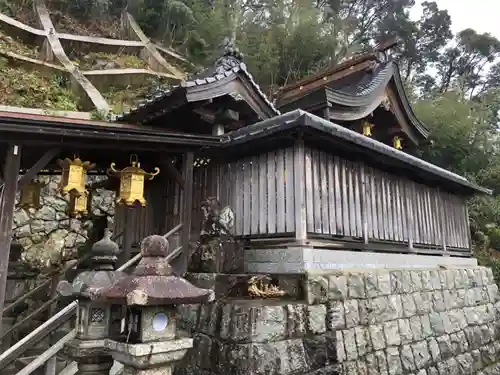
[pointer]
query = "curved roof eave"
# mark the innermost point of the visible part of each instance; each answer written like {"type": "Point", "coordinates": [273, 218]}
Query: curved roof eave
{"type": "Point", "coordinates": [239, 70]}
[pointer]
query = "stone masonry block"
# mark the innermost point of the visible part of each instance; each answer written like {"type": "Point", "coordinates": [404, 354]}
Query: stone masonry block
{"type": "Point", "coordinates": [341, 354]}
{"type": "Point", "coordinates": [351, 313]}
{"type": "Point", "coordinates": [407, 360]}
{"type": "Point", "coordinates": [422, 302]}
{"type": "Point", "coordinates": [407, 282]}
{"type": "Point", "coordinates": [416, 280]}
{"type": "Point", "coordinates": [435, 280]}
{"type": "Point", "coordinates": [384, 283]}
{"type": "Point", "coordinates": [450, 299]}
{"type": "Point", "coordinates": [409, 308]}
{"type": "Point", "coordinates": [426, 326]}
{"type": "Point", "coordinates": [394, 361]}
{"type": "Point", "coordinates": [391, 333]}
{"type": "Point", "coordinates": [396, 282]}
{"type": "Point", "coordinates": [416, 328]}
{"type": "Point", "coordinates": [421, 354]}
{"type": "Point", "coordinates": [405, 331]}
{"type": "Point", "coordinates": [356, 286]}
{"type": "Point", "coordinates": [395, 306]}
{"type": "Point", "coordinates": [438, 301]}
{"type": "Point", "coordinates": [436, 324]}
{"type": "Point", "coordinates": [296, 320]}
{"type": "Point", "coordinates": [493, 293]}
{"type": "Point", "coordinates": [350, 346]}
{"type": "Point", "coordinates": [316, 289]}
{"type": "Point", "coordinates": [445, 347]}
{"type": "Point", "coordinates": [478, 277]}
{"type": "Point", "coordinates": [335, 317]}
{"type": "Point", "coordinates": [371, 285]}
{"type": "Point", "coordinates": [434, 349]}
{"type": "Point", "coordinates": [381, 358]}
{"type": "Point", "coordinates": [464, 362]}
{"type": "Point", "coordinates": [316, 319]}
{"type": "Point", "coordinates": [337, 287]}
{"type": "Point", "coordinates": [363, 341]}
{"type": "Point", "coordinates": [377, 336]}
{"type": "Point", "coordinates": [426, 281]}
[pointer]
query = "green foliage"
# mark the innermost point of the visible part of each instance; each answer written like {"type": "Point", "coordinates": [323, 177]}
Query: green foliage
{"type": "Point", "coordinates": [29, 88]}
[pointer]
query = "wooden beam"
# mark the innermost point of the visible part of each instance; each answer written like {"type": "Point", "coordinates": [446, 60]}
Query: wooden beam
{"type": "Point", "coordinates": [176, 175]}
{"type": "Point", "coordinates": [11, 171]}
{"type": "Point", "coordinates": [37, 167]}
{"type": "Point", "coordinates": [181, 263]}
{"type": "Point", "coordinates": [128, 233]}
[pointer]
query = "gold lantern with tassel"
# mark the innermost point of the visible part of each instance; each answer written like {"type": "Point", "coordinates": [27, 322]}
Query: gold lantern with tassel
{"type": "Point", "coordinates": [396, 141]}
{"type": "Point", "coordinates": [74, 173]}
{"type": "Point", "coordinates": [367, 128]}
{"type": "Point", "coordinates": [30, 195]}
{"type": "Point", "coordinates": [132, 182]}
{"type": "Point", "coordinates": [78, 204]}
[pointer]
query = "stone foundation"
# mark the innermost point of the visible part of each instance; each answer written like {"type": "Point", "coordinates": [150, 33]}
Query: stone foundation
{"type": "Point", "coordinates": [308, 259]}
{"type": "Point", "coordinates": [430, 322]}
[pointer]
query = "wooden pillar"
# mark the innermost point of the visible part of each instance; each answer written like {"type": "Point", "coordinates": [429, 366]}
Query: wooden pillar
{"type": "Point", "coordinates": [127, 237]}
{"type": "Point", "coordinates": [300, 203]}
{"type": "Point", "coordinates": [7, 205]}
{"type": "Point", "coordinates": [187, 211]}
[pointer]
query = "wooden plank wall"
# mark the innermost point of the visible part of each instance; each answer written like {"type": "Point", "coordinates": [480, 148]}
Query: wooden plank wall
{"type": "Point", "coordinates": [343, 199]}
{"type": "Point", "coordinates": [349, 199]}
{"type": "Point", "coordinates": [260, 191]}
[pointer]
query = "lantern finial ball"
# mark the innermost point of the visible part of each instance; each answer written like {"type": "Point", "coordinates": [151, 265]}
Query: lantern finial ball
{"type": "Point", "coordinates": [154, 246]}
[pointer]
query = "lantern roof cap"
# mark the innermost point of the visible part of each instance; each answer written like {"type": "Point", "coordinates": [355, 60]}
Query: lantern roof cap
{"type": "Point", "coordinates": [153, 282]}
{"type": "Point", "coordinates": [89, 284]}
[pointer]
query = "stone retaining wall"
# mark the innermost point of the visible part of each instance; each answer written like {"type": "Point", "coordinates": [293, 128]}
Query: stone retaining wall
{"type": "Point", "coordinates": [437, 322]}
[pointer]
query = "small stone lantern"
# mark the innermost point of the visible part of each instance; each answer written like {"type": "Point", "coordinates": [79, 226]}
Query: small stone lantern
{"type": "Point", "coordinates": [93, 324]}
{"type": "Point", "coordinates": [151, 344]}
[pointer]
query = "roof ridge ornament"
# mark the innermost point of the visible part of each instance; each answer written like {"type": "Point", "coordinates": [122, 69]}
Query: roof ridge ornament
{"type": "Point", "coordinates": [231, 57]}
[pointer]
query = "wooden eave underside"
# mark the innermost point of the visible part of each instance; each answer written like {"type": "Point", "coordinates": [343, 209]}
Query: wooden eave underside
{"type": "Point", "coordinates": [348, 107]}
{"type": "Point", "coordinates": [48, 130]}
{"type": "Point", "coordinates": [234, 83]}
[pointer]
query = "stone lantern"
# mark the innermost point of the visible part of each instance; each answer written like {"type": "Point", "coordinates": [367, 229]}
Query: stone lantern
{"type": "Point", "coordinates": [94, 318]}
{"type": "Point", "coordinates": [151, 344]}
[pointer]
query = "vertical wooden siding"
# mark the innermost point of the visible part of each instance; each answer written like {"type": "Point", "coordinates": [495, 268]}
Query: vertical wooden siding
{"type": "Point", "coordinates": [343, 199]}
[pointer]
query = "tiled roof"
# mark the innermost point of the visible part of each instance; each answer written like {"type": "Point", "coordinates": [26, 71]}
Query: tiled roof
{"type": "Point", "coordinates": [229, 64]}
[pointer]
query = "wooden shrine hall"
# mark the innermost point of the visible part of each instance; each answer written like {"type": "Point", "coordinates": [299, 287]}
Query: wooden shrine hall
{"type": "Point", "coordinates": [334, 172]}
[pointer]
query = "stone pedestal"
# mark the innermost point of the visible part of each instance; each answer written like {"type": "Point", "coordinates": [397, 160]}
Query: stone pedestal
{"type": "Point", "coordinates": [92, 360]}
{"type": "Point", "coordinates": [149, 358]}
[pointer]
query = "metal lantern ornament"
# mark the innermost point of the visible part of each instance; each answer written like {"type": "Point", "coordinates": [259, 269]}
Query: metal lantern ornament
{"type": "Point", "coordinates": [132, 182]}
{"type": "Point", "coordinates": [396, 141]}
{"type": "Point", "coordinates": [30, 195]}
{"type": "Point", "coordinates": [78, 203]}
{"type": "Point", "coordinates": [74, 173]}
{"type": "Point", "coordinates": [367, 128]}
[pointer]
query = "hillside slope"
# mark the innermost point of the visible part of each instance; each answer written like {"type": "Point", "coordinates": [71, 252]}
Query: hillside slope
{"type": "Point", "coordinates": [52, 62]}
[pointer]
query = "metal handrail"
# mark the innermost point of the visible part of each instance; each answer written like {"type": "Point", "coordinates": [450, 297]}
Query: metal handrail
{"type": "Point", "coordinates": [8, 356]}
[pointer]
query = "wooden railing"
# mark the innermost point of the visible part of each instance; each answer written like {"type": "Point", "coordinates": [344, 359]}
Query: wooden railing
{"type": "Point", "coordinates": [58, 320]}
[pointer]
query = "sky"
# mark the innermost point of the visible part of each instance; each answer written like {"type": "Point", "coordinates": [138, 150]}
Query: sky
{"type": "Point", "coordinates": [480, 15]}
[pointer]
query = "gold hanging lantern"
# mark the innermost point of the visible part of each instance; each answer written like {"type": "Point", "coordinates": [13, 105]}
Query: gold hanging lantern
{"type": "Point", "coordinates": [132, 182]}
{"type": "Point", "coordinates": [30, 195]}
{"type": "Point", "coordinates": [367, 128]}
{"type": "Point", "coordinates": [396, 141]}
{"type": "Point", "coordinates": [74, 173]}
{"type": "Point", "coordinates": [78, 203]}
